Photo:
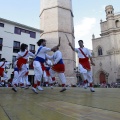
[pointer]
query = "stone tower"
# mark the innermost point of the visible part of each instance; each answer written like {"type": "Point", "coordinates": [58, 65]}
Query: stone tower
{"type": "Point", "coordinates": [56, 20]}
{"type": "Point", "coordinates": [110, 16]}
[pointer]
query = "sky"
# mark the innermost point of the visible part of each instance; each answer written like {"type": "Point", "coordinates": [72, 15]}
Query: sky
{"type": "Point", "coordinates": [87, 15]}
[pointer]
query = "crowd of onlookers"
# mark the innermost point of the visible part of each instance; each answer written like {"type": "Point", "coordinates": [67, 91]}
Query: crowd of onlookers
{"type": "Point", "coordinates": [102, 85]}
{"type": "Point", "coordinates": [78, 84]}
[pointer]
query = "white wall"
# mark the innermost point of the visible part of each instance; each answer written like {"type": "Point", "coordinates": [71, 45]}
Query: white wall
{"type": "Point", "coordinates": [8, 35]}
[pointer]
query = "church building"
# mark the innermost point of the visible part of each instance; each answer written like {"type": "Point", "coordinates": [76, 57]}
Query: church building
{"type": "Point", "coordinates": [106, 49]}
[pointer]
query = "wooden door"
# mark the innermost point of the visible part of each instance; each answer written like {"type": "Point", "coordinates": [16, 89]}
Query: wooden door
{"type": "Point", "coordinates": [102, 77]}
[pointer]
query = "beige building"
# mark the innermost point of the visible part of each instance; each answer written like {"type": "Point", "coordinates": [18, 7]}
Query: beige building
{"type": "Point", "coordinates": [56, 20]}
{"type": "Point", "coordinates": [106, 49]}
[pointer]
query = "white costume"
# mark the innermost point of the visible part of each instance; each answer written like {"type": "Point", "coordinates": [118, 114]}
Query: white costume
{"type": "Point", "coordinates": [38, 65]}
{"type": "Point", "coordinates": [22, 71]}
{"type": "Point", "coordinates": [58, 66]}
{"type": "Point", "coordinates": [25, 78]}
{"type": "Point", "coordinates": [87, 74]}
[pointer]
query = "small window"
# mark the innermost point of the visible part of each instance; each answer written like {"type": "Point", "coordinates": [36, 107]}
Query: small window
{"type": "Point", "coordinates": [100, 51]}
{"type": "Point", "coordinates": [13, 61]}
{"type": "Point", "coordinates": [17, 30]}
{"type": "Point", "coordinates": [108, 12]}
{"type": "Point", "coordinates": [32, 34]}
{"type": "Point", "coordinates": [31, 63]}
{"type": "Point", "coordinates": [16, 47]}
{"type": "Point", "coordinates": [1, 42]}
{"type": "Point", "coordinates": [32, 48]}
{"type": "Point", "coordinates": [1, 25]}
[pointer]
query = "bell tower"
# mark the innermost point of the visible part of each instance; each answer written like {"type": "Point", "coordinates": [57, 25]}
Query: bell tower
{"type": "Point", "coordinates": [109, 11]}
{"type": "Point", "coordinates": [110, 16]}
{"type": "Point", "coordinates": [56, 20]}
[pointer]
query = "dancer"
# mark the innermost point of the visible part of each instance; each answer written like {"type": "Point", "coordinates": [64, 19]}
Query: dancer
{"type": "Point", "coordinates": [58, 67]}
{"type": "Point", "coordinates": [38, 64]}
{"type": "Point", "coordinates": [22, 59]}
{"type": "Point", "coordinates": [84, 66]}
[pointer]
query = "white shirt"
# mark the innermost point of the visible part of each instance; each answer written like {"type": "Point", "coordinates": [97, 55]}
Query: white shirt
{"type": "Point", "coordinates": [42, 52]}
{"type": "Point", "coordinates": [5, 65]}
{"type": "Point", "coordinates": [85, 50]}
{"type": "Point", "coordinates": [56, 57]}
{"type": "Point", "coordinates": [20, 54]}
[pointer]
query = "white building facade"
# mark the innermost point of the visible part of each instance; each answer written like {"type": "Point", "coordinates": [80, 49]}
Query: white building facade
{"type": "Point", "coordinates": [12, 34]}
{"type": "Point", "coordinates": [106, 49]}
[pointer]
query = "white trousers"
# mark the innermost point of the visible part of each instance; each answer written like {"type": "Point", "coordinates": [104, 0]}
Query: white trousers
{"type": "Point", "coordinates": [87, 75]}
{"type": "Point", "coordinates": [37, 71]}
{"type": "Point", "coordinates": [60, 75]}
{"type": "Point", "coordinates": [47, 78]}
{"type": "Point", "coordinates": [25, 80]}
{"type": "Point", "coordinates": [5, 77]}
{"type": "Point", "coordinates": [15, 79]}
{"type": "Point", "coordinates": [22, 73]}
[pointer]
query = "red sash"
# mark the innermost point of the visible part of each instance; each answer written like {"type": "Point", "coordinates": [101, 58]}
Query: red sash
{"type": "Point", "coordinates": [21, 61]}
{"type": "Point", "coordinates": [84, 61]}
{"type": "Point", "coordinates": [2, 70]}
{"type": "Point", "coordinates": [60, 68]}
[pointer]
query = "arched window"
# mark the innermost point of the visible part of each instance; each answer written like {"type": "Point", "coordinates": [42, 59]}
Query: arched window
{"type": "Point", "coordinates": [100, 51]}
{"type": "Point", "coordinates": [117, 23]}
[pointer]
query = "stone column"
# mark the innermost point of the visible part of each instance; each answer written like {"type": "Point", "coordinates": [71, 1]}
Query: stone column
{"type": "Point", "coordinates": [56, 20]}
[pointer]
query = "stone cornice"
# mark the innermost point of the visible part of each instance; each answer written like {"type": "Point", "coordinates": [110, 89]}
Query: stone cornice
{"type": "Point", "coordinates": [57, 31]}
{"type": "Point", "coordinates": [56, 7]}
{"type": "Point", "coordinates": [110, 31]}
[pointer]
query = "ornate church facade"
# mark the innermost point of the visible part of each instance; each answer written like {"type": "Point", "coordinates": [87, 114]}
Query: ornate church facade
{"type": "Point", "coordinates": [106, 49]}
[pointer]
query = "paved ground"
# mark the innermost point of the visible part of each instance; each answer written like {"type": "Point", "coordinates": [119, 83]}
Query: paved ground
{"type": "Point", "coordinates": [74, 104]}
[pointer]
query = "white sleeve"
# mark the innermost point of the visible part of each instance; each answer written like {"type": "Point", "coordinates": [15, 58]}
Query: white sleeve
{"type": "Point", "coordinates": [76, 50]}
{"type": "Point", "coordinates": [49, 57]}
{"type": "Point", "coordinates": [18, 56]}
{"type": "Point", "coordinates": [31, 54]}
{"type": "Point", "coordinates": [45, 49]}
{"type": "Point", "coordinates": [7, 63]}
